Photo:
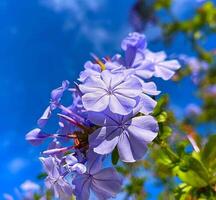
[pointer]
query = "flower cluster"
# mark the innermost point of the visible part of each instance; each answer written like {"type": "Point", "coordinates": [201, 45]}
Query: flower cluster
{"type": "Point", "coordinates": [197, 68]}
{"type": "Point", "coordinates": [111, 109]}
{"type": "Point", "coordinates": [27, 191]}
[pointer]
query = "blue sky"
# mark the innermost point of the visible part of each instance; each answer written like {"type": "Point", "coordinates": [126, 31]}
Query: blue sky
{"type": "Point", "coordinates": [44, 42]}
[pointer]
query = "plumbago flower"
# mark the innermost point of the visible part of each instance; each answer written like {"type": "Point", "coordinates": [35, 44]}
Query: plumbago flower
{"type": "Point", "coordinates": [56, 96]}
{"type": "Point", "coordinates": [130, 133]}
{"type": "Point", "coordinates": [196, 67]}
{"type": "Point", "coordinates": [27, 190]}
{"type": "Point", "coordinates": [105, 183]}
{"type": "Point", "coordinates": [55, 179]}
{"type": "Point", "coordinates": [110, 108]}
{"type": "Point", "coordinates": [116, 91]}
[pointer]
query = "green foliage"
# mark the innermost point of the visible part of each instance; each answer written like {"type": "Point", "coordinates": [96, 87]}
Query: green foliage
{"type": "Point", "coordinates": [37, 196]}
{"type": "Point", "coordinates": [162, 4]}
{"type": "Point", "coordinates": [42, 176]}
{"type": "Point", "coordinates": [208, 156]}
{"type": "Point", "coordinates": [135, 188]}
{"type": "Point", "coordinates": [161, 104]}
{"type": "Point", "coordinates": [115, 156]}
{"type": "Point", "coordinates": [209, 152]}
{"type": "Point", "coordinates": [192, 172]}
{"type": "Point", "coordinates": [162, 117]}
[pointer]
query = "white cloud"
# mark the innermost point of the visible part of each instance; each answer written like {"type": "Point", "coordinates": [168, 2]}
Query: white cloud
{"type": "Point", "coordinates": [61, 5]}
{"type": "Point", "coordinates": [17, 164]}
{"type": "Point", "coordinates": [78, 17]}
{"type": "Point", "coordinates": [76, 8]}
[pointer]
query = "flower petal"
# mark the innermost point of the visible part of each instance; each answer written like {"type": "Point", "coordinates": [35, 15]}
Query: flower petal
{"type": "Point", "coordinates": [163, 73]}
{"type": "Point", "coordinates": [131, 87]}
{"type": "Point", "coordinates": [96, 101]}
{"type": "Point", "coordinates": [57, 93]}
{"type": "Point", "coordinates": [126, 149]}
{"type": "Point", "coordinates": [147, 104]}
{"type": "Point", "coordinates": [166, 69]}
{"type": "Point", "coordinates": [105, 118]}
{"type": "Point", "coordinates": [50, 166]}
{"type": "Point", "coordinates": [82, 187]}
{"type": "Point", "coordinates": [107, 182]}
{"type": "Point", "coordinates": [36, 136]}
{"type": "Point", "coordinates": [132, 143]}
{"type": "Point", "coordinates": [71, 160]}
{"type": "Point", "coordinates": [44, 118]}
{"type": "Point", "coordinates": [94, 162]}
{"type": "Point", "coordinates": [79, 167]}
{"type": "Point", "coordinates": [150, 88]}
{"type": "Point", "coordinates": [143, 128]}
{"type": "Point", "coordinates": [121, 104]}
{"type": "Point", "coordinates": [92, 84]}
{"type": "Point", "coordinates": [110, 139]}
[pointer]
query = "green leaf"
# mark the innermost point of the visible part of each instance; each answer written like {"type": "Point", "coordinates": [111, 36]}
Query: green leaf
{"type": "Point", "coordinates": [162, 117]}
{"type": "Point", "coordinates": [42, 176]}
{"type": "Point", "coordinates": [165, 132]}
{"type": "Point", "coordinates": [123, 170]}
{"type": "Point", "coordinates": [36, 197]}
{"type": "Point", "coordinates": [161, 103]}
{"type": "Point", "coordinates": [49, 195]}
{"type": "Point", "coordinates": [160, 4]}
{"type": "Point", "coordinates": [192, 172]}
{"type": "Point", "coordinates": [135, 186]}
{"type": "Point", "coordinates": [115, 156]}
{"type": "Point", "coordinates": [182, 192]}
{"type": "Point", "coordinates": [209, 152]}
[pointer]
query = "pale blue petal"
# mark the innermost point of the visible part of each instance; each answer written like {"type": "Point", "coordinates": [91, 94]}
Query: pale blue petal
{"type": "Point", "coordinates": [109, 141]}
{"type": "Point", "coordinates": [147, 104]}
{"type": "Point", "coordinates": [82, 187]}
{"type": "Point", "coordinates": [79, 168]}
{"type": "Point", "coordinates": [96, 101]}
{"type": "Point", "coordinates": [150, 88]}
{"type": "Point", "coordinates": [107, 182]}
{"type": "Point", "coordinates": [121, 104]}
{"type": "Point", "coordinates": [143, 129]}
{"type": "Point", "coordinates": [44, 118]}
{"type": "Point", "coordinates": [94, 162]}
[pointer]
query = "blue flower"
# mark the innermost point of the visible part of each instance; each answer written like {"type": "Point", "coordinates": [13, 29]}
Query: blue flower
{"type": "Point", "coordinates": [105, 183]}
{"type": "Point", "coordinates": [164, 69]}
{"type": "Point", "coordinates": [56, 96]}
{"type": "Point", "coordinates": [55, 180]}
{"type": "Point", "coordinates": [129, 133]}
{"type": "Point", "coordinates": [36, 136]}
{"type": "Point", "coordinates": [114, 91]}
{"type": "Point", "coordinates": [73, 165]}
{"type": "Point", "coordinates": [91, 69]}
{"type": "Point", "coordinates": [145, 63]}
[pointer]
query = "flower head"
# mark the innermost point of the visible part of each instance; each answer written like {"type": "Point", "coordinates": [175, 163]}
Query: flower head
{"type": "Point", "coordinates": [129, 133]}
{"type": "Point", "coordinates": [55, 179]}
{"type": "Point", "coordinates": [111, 108]}
{"type": "Point", "coordinates": [105, 183]}
{"type": "Point", "coordinates": [91, 69]}
{"type": "Point", "coordinates": [193, 110]}
{"type": "Point", "coordinates": [114, 91]}
{"type": "Point", "coordinates": [56, 96]}
{"type": "Point", "coordinates": [163, 68]}
{"type": "Point", "coordinates": [134, 40]}
{"type": "Point", "coordinates": [36, 136]}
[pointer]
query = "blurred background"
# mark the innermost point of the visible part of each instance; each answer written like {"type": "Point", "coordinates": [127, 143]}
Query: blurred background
{"type": "Point", "coordinates": [46, 41]}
